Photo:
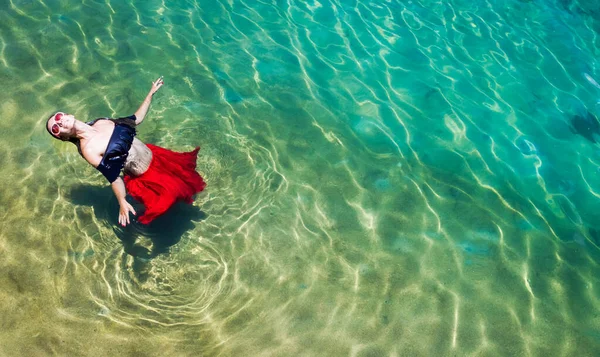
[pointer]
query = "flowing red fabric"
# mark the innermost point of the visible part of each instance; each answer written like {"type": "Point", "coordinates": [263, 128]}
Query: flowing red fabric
{"type": "Point", "coordinates": [171, 177]}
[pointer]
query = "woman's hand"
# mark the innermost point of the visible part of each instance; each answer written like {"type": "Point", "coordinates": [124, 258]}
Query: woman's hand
{"type": "Point", "coordinates": [140, 114]}
{"type": "Point", "coordinates": [156, 85]}
{"type": "Point", "coordinates": [124, 213]}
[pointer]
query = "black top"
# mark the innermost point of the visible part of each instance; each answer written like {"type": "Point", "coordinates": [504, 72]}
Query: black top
{"type": "Point", "coordinates": [118, 147]}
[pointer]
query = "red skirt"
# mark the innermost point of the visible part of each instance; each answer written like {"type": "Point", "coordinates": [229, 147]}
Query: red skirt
{"type": "Point", "coordinates": [171, 177]}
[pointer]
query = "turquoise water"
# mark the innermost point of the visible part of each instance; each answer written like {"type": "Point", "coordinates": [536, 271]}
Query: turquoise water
{"type": "Point", "coordinates": [385, 178]}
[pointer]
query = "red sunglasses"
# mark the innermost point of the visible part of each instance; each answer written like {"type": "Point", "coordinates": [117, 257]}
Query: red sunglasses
{"type": "Point", "coordinates": [56, 127]}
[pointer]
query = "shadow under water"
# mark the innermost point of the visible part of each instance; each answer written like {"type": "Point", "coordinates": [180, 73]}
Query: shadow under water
{"type": "Point", "coordinates": [163, 232]}
{"type": "Point", "coordinates": [586, 125]}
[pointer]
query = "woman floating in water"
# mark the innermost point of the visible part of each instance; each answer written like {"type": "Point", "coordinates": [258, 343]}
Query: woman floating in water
{"type": "Point", "coordinates": [155, 176]}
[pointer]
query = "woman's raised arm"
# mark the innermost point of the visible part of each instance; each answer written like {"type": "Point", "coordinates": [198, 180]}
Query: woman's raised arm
{"type": "Point", "coordinates": [143, 109]}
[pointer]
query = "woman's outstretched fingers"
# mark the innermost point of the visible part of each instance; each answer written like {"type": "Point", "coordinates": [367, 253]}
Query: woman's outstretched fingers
{"type": "Point", "coordinates": [157, 84]}
{"type": "Point", "coordinates": [129, 209]}
{"type": "Point", "coordinates": [132, 210]}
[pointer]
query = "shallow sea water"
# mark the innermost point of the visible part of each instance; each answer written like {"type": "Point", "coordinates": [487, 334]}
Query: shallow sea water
{"type": "Point", "coordinates": [385, 178]}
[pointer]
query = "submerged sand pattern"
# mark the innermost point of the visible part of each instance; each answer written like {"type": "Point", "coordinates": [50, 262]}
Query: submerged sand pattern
{"type": "Point", "coordinates": [391, 178]}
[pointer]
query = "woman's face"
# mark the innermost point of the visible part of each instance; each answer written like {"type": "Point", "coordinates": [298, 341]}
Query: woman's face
{"type": "Point", "coordinates": [61, 124]}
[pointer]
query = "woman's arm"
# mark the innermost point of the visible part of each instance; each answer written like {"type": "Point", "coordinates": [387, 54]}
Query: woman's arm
{"type": "Point", "coordinates": [118, 187]}
{"type": "Point", "coordinates": [143, 109]}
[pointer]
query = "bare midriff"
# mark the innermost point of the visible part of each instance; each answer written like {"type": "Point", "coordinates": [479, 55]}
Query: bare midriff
{"type": "Point", "coordinates": [138, 160]}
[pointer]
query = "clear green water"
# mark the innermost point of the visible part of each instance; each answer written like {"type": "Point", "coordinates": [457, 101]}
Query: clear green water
{"type": "Point", "coordinates": [385, 178]}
